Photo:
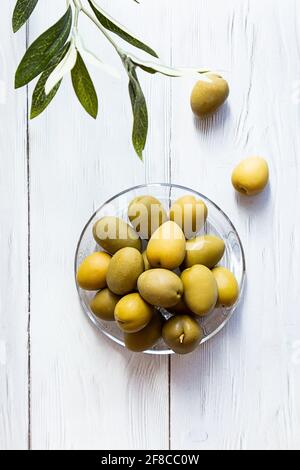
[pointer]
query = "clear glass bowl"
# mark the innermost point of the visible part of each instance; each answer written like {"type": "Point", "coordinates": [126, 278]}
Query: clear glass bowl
{"type": "Point", "coordinates": [217, 224]}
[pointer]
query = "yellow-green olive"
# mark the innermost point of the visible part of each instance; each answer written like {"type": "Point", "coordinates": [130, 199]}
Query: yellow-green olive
{"type": "Point", "coordinates": [208, 96]}
{"type": "Point", "coordinates": [206, 249]}
{"type": "Point", "coordinates": [190, 214]}
{"type": "Point", "coordinates": [181, 308]}
{"type": "Point", "coordinates": [200, 290]}
{"type": "Point", "coordinates": [251, 176]}
{"type": "Point", "coordinates": [147, 337]}
{"type": "Point", "coordinates": [160, 287]}
{"type": "Point", "coordinates": [146, 261]}
{"type": "Point", "coordinates": [103, 304]}
{"type": "Point", "coordinates": [112, 234]}
{"type": "Point", "coordinates": [124, 270]}
{"type": "Point", "coordinates": [182, 334]}
{"type": "Point", "coordinates": [132, 313]}
{"type": "Point", "coordinates": [146, 214]}
{"type": "Point", "coordinates": [91, 274]}
{"type": "Point", "coordinates": [166, 247]}
{"type": "Point", "coordinates": [228, 288]}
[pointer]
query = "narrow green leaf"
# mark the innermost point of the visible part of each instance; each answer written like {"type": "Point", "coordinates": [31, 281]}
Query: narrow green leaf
{"type": "Point", "coordinates": [40, 100]}
{"type": "Point", "coordinates": [140, 113]}
{"type": "Point", "coordinates": [22, 12]}
{"type": "Point", "coordinates": [39, 54]}
{"type": "Point", "coordinates": [112, 25]}
{"type": "Point", "coordinates": [84, 87]}
{"type": "Point", "coordinates": [152, 67]}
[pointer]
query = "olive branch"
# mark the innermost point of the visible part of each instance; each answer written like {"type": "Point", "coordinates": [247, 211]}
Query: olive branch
{"type": "Point", "coordinates": [60, 51]}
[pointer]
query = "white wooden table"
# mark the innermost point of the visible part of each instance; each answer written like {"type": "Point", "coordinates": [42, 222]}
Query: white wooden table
{"type": "Point", "coordinates": [62, 384]}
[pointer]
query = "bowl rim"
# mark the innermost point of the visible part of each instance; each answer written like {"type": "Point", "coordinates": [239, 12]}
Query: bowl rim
{"type": "Point", "coordinates": [170, 186]}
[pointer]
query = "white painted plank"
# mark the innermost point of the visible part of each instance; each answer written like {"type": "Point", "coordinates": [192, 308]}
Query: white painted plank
{"type": "Point", "coordinates": [241, 391]}
{"type": "Point", "coordinates": [86, 392]}
{"type": "Point", "coordinates": [13, 241]}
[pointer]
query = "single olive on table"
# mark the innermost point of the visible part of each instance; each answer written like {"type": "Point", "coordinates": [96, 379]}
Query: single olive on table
{"type": "Point", "coordinates": [161, 288]}
{"type": "Point", "coordinates": [251, 176]}
{"type": "Point", "coordinates": [208, 95]}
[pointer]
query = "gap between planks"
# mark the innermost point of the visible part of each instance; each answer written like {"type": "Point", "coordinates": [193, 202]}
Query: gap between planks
{"type": "Point", "coordinates": [29, 441]}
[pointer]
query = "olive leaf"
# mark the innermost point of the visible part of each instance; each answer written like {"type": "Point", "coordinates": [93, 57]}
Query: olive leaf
{"type": "Point", "coordinates": [62, 69]}
{"type": "Point", "coordinates": [22, 12]}
{"type": "Point", "coordinates": [153, 67]}
{"type": "Point", "coordinates": [139, 109]}
{"type": "Point", "coordinates": [112, 25]}
{"type": "Point", "coordinates": [51, 57]}
{"type": "Point", "coordinates": [40, 100]}
{"type": "Point", "coordinates": [39, 54]}
{"type": "Point", "coordinates": [84, 87]}
{"type": "Point", "coordinates": [92, 59]}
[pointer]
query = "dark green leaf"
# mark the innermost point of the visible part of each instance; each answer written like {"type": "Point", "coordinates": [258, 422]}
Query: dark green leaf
{"type": "Point", "coordinates": [111, 25]}
{"type": "Point", "coordinates": [40, 100]}
{"type": "Point", "coordinates": [148, 69]}
{"type": "Point", "coordinates": [84, 87]}
{"type": "Point", "coordinates": [140, 113]}
{"type": "Point", "coordinates": [39, 54]}
{"type": "Point", "coordinates": [22, 12]}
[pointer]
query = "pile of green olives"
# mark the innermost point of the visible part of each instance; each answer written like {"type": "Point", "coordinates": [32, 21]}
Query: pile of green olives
{"type": "Point", "coordinates": [156, 261]}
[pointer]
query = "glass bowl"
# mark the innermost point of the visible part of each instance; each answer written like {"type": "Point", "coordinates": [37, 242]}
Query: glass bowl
{"type": "Point", "coordinates": [217, 224]}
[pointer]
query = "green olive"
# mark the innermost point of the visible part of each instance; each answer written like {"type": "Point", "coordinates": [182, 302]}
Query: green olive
{"type": "Point", "coordinates": [207, 250]}
{"type": "Point", "coordinates": [190, 214]}
{"type": "Point", "coordinates": [182, 334]}
{"type": "Point", "coordinates": [146, 261]}
{"type": "Point", "coordinates": [200, 290]}
{"type": "Point", "coordinates": [251, 176]}
{"type": "Point", "coordinates": [91, 274]}
{"type": "Point", "coordinates": [147, 337]}
{"type": "Point", "coordinates": [103, 304]}
{"type": "Point", "coordinates": [166, 248]}
{"type": "Point", "coordinates": [112, 234]}
{"type": "Point", "coordinates": [208, 96]}
{"type": "Point", "coordinates": [132, 313]}
{"type": "Point", "coordinates": [124, 270]}
{"type": "Point", "coordinates": [146, 214]}
{"type": "Point", "coordinates": [181, 308]}
{"type": "Point", "coordinates": [160, 287]}
{"type": "Point", "coordinates": [228, 288]}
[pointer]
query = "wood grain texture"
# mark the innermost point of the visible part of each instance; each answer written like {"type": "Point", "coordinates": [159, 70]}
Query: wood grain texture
{"type": "Point", "coordinates": [240, 390]}
{"type": "Point", "coordinates": [87, 392]}
{"type": "Point", "coordinates": [13, 241]}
